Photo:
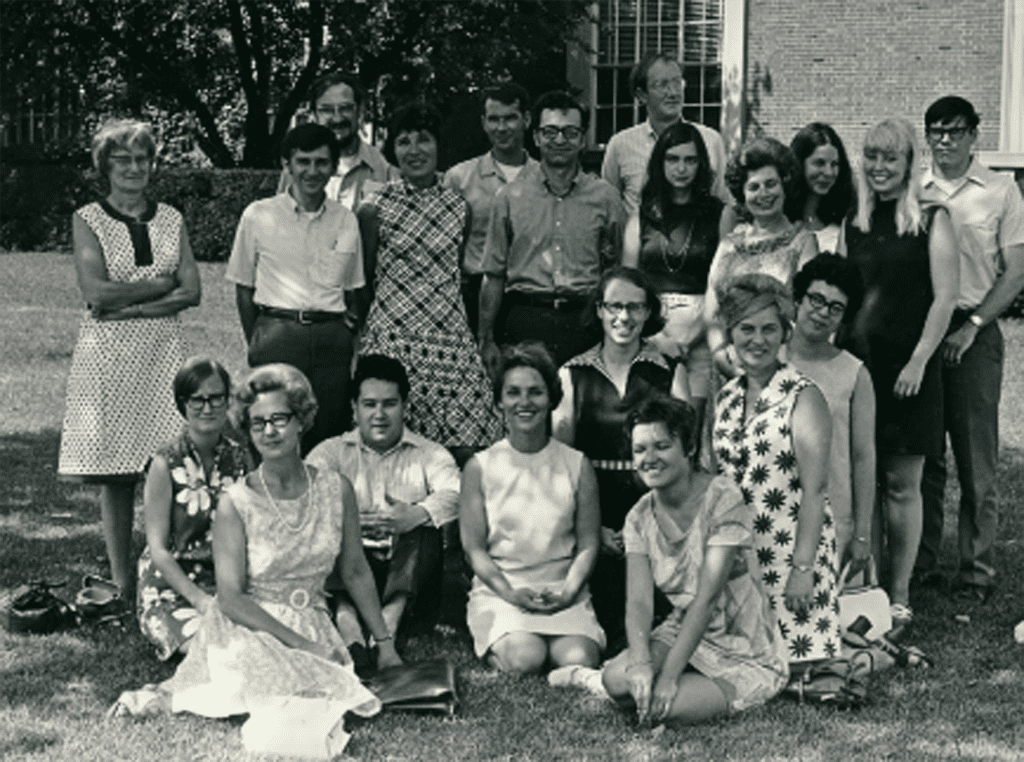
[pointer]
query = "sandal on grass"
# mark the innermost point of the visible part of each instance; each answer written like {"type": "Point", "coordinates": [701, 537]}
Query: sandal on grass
{"type": "Point", "coordinates": [901, 615]}
{"type": "Point", "coordinates": [100, 600]}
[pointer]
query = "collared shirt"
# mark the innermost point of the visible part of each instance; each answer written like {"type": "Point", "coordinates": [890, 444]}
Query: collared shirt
{"type": "Point", "coordinates": [415, 471]}
{"type": "Point", "coordinates": [544, 243]}
{"type": "Point", "coordinates": [297, 260]}
{"type": "Point", "coordinates": [478, 180]}
{"type": "Point", "coordinates": [629, 151]}
{"type": "Point", "coordinates": [350, 186]}
{"type": "Point", "coordinates": [987, 212]}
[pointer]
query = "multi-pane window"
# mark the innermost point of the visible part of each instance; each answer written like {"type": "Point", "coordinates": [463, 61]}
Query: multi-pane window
{"type": "Point", "coordinates": [688, 30]}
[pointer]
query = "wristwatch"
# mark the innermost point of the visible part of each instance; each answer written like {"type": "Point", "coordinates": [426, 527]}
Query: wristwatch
{"type": "Point", "coordinates": [976, 319]}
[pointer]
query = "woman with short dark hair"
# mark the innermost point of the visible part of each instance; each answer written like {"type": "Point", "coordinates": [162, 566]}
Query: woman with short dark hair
{"type": "Point", "coordinates": [413, 233]}
{"type": "Point", "coordinates": [184, 482]}
{"type": "Point", "coordinates": [529, 520]}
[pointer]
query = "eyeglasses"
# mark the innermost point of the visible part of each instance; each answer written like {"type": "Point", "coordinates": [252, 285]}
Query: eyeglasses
{"type": "Point", "coordinates": [344, 109]}
{"type": "Point", "coordinates": [277, 420]}
{"type": "Point", "coordinates": [820, 303]}
{"type": "Point", "coordinates": [955, 134]}
{"type": "Point", "coordinates": [216, 401]}
{"type": "Point", "coordinates": [633, 309]}
{"type": "Point", "coordinates": [666, 86]}
{"type": "Point", "coordinates": [550, 133]}
{"type": "Point", "coordinates": [126, 160]}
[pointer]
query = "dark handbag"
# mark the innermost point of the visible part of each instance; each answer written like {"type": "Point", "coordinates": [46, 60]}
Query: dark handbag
{"type": "Point", "coordinates": [36, 610]}
{"type": "Point", "coordinates": [428, 686]}
{"type": "Point", "coordinates": [835, 682]}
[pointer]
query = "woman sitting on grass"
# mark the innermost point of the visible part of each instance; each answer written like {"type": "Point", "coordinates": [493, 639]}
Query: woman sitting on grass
{"type": "Point", "coordinates": [184, 482]}
{"type": "Point", "coordinates": [690, 536]}
{"type": "Point", "coordinates": [530, 526]}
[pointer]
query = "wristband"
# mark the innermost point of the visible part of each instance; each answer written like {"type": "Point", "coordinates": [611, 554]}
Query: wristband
{"type": "Point", "coordinates": [976, 320]}
{"type": "Point", "coordinates": [862, 539]}
{"type": "Point", "coordinates": [802, 567]}
{"type": "Point", "coordinates": [381, 640]}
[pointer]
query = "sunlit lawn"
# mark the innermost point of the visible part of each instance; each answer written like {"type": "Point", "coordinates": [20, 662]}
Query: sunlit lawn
{"type": "Point", "coordinates": [54, 690]}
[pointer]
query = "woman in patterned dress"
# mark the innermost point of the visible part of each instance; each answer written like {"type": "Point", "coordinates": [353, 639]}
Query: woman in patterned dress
{"type": "Point", "coordinates": [772, 435]}
{"type": "Point", "coordinates": [690, 537]}
{"type": "Point", "coordinates": [183, 484]}
{"type": "Point", "coordinates": [136, 272]}
{"type": "Point", "coordinates": [760, 178]}
{"type": "Point", "coordinates": [413, 232]}
{"type": "Point", "coordinates": [268, 636]}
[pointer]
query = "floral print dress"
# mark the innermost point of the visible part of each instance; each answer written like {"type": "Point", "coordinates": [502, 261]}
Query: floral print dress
{"type": "Point", "coordinates": [166, 617]}
{"type": "Point", "coordinates": [758, 453]}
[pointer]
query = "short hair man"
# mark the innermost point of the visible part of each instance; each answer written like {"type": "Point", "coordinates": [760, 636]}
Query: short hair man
{"type": "Point", "coordinates": [987, 212]}
{"type": "Point", "coordinates": [505, 119]}
{"type": "Point", "coordinates": [406, 487]}
{"type": "Point", "coordinates": [552, 233]}
{"type": "Point", "coordinates": [336, 101]}
{"type": "Point", "coordinates": [657, 82]}
{"type": "Point", "coordinates": [296, 263]}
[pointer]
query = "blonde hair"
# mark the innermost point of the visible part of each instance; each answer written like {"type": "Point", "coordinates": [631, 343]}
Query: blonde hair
{"type": "Point", "coordinates": [892, 135]}
{"type": "Point", "coordinates": [120, 133]}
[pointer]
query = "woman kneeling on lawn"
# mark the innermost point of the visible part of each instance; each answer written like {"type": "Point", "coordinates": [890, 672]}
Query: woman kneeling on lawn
{"type": "Point", "coordinates": [719, 650]}
{"type": "Point", "coordinates": [530, 527]}
{"type": "Point", "coordinates": [183, 486]}
{"type": "Point", "coordinates": [277, 535]}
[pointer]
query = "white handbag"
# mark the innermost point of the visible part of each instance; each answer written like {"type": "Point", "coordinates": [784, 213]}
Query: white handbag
{"type": "Point", "coordinates": [869, 601]}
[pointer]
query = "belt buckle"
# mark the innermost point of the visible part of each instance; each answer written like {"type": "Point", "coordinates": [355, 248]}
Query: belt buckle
{"type": "Point", "coordinates": [558, 302]}
{"type": "Point", "coordinates": [299, 598]}
{"type": "Point", "coordinates": [303, 320]}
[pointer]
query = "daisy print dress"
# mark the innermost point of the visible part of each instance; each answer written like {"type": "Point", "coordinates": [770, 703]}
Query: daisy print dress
{"type": "Point", "coordinates": [758, 453]}
{"type": "Point", "coordinates": [166, 617]}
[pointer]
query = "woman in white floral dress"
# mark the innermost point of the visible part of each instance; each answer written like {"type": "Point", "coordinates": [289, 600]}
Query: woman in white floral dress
{"type": "Point", "coordinates": [184, 481]}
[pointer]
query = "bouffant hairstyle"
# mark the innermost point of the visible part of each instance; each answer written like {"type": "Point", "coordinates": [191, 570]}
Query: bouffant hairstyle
{"type": "Point", "coordinates": [412, 117]}
{"type": "Point", "coordinates": [677, 416]}
{"type": "Point", "coordinates": [529, 354]}
{"type": "Point", "coordinates": [654, 323]}
{"type": "Point", "coordinates": [835, 271]}
{"type": "Point", "coordinates": [381, 368]}
{"type": "Point", "coordinates": [278, 377]}
{"type": "Point", "coordinates": [192, 374]}
{"type": "Point", "coordinates": [894, 135]}
{"type": "Point", "coordinates": [755, 155]}
{"type": "Point", "coordinates": [747, 295]}
{"type": "Point", "coordinates": [656, 196]}
{"type": "Point", "coordinates": [839, 201]}
{"type": "Point", "coordinates": [124, 134]}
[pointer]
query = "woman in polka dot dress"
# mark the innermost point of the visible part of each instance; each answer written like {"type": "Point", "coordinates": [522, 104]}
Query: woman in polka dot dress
{"type": "Point", "coordinates": [136, 272]}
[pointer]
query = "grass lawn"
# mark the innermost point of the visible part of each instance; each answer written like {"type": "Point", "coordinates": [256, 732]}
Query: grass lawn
{"type": "Point", "coordinates": [55, 689]}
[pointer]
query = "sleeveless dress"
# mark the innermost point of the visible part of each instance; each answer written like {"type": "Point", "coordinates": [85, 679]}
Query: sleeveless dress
{"type": "Point", "coordinates": [120, 401]}
{"type": "Point", "coordinates": [777, 256]}
{"type": "Point", "coordinates": [166, 617]}
{"type": "Point", "coordinates": [758, 454]}
{"type": "Point", "coordinates": [741, 649]}
{"type": "Point", "coordinates": [530, 504]}
{"type": "Point", "coordinates": [897, 296]}
{"type": "Point", "coordinates": [231, 669]}
{"type": "Point", "coordinates": [837, 378]}
{"type": "Point", "coordinates": [418, 318]}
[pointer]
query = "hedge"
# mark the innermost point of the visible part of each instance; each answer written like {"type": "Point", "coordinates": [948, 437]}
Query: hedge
{"type": "Point", "coordinates": [36, 202]}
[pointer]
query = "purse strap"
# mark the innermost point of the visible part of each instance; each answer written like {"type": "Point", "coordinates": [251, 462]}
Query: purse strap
{"type": "Point", "coordinates": [870, 577]}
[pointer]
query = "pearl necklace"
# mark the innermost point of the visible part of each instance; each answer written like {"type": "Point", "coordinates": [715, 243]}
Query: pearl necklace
{"type": "Point", "coordinates": [277, 510]}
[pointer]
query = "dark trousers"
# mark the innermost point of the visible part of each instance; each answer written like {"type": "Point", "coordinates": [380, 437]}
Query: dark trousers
{"type": "Point", "coordinates": [471, 283]}
{"type": "Point", "coordinates": [322, 351]}
{"type": "Point", "coordinates": [561, 329]}
{"type": "Point", "coordinates": [972, 391]}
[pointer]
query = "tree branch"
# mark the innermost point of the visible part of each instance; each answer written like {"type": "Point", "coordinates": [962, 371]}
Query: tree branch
{"type": "Point", "coordinates": [243, 54]}
{"type": "Point", "coordinates": [288, 107]}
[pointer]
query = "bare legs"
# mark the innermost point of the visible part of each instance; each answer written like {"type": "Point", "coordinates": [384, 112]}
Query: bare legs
{"type": "Point", "coordinates": [698, 698]}
{"type": "Point", "coordinates": [528, 652]}
{"type": "Point", "coordinates": [902, 514]}
{"type": "Point", "coordinates": [117, 508]}
{"type": "Point", "coordinates": [346, 619]}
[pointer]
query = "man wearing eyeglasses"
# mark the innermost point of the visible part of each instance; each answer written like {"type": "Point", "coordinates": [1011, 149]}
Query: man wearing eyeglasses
{"type": "Point", "coordinates": [987, 212]}
{"type": "Point", "coordinates": [552, 232]}
{"type": "Point", "coordinates": [337, 103]}
{"type": "Point", "coordinates": [657, 82]}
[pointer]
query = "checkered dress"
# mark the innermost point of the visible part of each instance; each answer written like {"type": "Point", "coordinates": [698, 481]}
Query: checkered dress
{"type": "Point", "coordinates": [418, 316]}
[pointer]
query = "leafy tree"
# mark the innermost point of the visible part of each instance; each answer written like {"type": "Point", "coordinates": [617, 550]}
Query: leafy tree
{"type": "Point", "coordinates": [233, 73]}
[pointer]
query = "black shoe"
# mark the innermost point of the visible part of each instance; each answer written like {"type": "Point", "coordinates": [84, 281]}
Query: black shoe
{"type": "Point", "coordinates": [969, 592]}
{"type": "Point", "coordinates": [364, 660]}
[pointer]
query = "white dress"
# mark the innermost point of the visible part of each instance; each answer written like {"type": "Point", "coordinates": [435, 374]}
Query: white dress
{"type": "Point", "coordinates": [120, 400]}
{"type": "Point", "coordinates": [530, 505]}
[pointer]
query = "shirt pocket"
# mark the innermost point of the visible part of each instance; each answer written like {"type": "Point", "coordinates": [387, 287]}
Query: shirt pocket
{"type": "Point", "coordinates": [980, 231]}
{"type": "Point", "coordinates": [332, 266]}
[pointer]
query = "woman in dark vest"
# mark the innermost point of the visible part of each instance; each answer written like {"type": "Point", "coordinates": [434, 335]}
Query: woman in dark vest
{"type": "Point", "coordinates": [601, 386]}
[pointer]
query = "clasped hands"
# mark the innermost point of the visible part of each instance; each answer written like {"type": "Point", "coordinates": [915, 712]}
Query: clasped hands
{"type": "Point", "coordinates": [654, 698]}
{"type": "Point", "coordinates": [543, 601]}
{"type": "Point", "coordinates": [396, 517]}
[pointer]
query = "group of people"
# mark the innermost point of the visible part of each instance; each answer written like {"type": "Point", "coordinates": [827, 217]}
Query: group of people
{"type": "Point", "coordinates": [679, 424]}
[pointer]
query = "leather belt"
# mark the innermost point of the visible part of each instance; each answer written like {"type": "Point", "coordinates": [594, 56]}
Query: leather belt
{"type": "Point", "coordinates": [560, 302]}
{"type": "Point", "coordinates": [303, 317]}
{"type": "Point", "coordinates": [612, 465]}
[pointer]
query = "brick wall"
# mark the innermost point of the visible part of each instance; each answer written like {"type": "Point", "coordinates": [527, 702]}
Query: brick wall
{"type": "Point", "coordinates": [852, 63]}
